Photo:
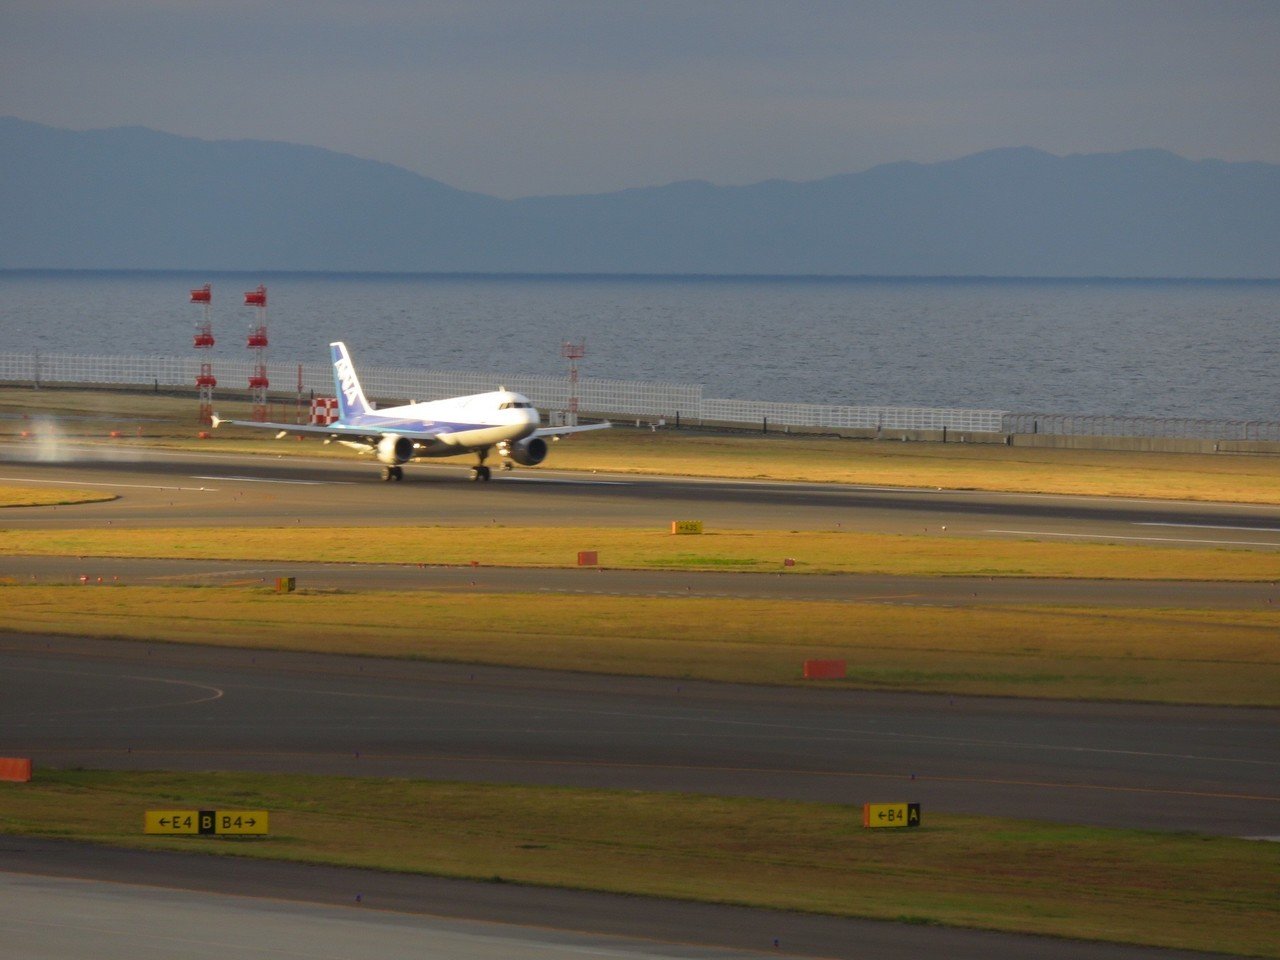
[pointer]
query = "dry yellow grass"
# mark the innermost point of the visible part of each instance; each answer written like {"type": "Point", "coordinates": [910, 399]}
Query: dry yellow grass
{"type": "Point", "coordinates": [1141, 655]}
{"type": "Point", "coordinates": [752, 550]}
{"type": "Point", "coordinates": [1252, 479]}
{"type": "Point", "coordinates": [1173, 890]}
{"type": "Point", "coordinates": [11, 496]}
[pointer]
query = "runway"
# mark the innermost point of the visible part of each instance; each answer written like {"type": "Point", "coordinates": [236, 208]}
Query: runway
{"type": "Point", "coordinates": [126, 705]}
{"type": "Point", "coordinates": [122, 705]}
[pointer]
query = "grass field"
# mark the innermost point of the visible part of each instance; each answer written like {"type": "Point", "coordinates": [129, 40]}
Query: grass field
{"type": "Point", "coordinates": [1174, 890]}
{"type": "Point", "coordinates": [1141, 655]}
{"type": "Point", "coordinates": [814, 551]}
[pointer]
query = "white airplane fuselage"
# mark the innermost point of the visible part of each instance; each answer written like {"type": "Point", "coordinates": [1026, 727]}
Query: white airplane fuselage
{"type": "Point", "coordinates": [474, 422]}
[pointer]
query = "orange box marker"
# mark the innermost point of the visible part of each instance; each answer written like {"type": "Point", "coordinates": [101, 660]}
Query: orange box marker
{"type": "Point", "coordinates": [15, 769]}
{"type": "Point", "coordinates": [824, 669]}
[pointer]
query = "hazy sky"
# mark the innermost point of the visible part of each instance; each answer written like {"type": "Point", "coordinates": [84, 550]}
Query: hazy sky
{"type": "Point", "coordinates": [559, 96]}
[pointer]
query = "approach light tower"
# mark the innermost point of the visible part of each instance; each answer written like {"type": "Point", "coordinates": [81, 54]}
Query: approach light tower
{"type": "Point", "coordinates": [205, 381]}
{"type": "Point", "coordinates": [258, 382]}
{"type": "Point", "coordinates": [573, 352]}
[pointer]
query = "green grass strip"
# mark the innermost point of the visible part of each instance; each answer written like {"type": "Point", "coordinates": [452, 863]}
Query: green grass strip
{"type": "Point", "coordinates": [1184, 656]}
{"type": "Point", "coordinates": [1160, 889]}
{"type": "Point", "coordinates": [814, 551]}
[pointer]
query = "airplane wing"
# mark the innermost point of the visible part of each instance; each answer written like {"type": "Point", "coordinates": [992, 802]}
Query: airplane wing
{"type": "Point", "coordinates": [371, 434]}
{"type": "Point", "coordinates": [330, 430]}
{"type": "Point", "coordinates": [561, 431]}
{"type": "Point", "coordinates": [367, 437]}
{"type": "Point", "coordinates": [333, 431]}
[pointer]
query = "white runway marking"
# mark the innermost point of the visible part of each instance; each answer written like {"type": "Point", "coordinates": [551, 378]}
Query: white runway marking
{"type": "Point", "coordinates": [91, 483]}
{"type": "Point", "coordinates": [1204, 526]}
{"type": "Point", "coordinates": [1107, 536]}
{"type": "Point", "coordinates": [305, 483]}
{"type": "Point", "coordinates": [211, 693]}
{"type": "Point", "coordinates": [576, 483]}
{"type": "Point", "coordinates": [216, 693]}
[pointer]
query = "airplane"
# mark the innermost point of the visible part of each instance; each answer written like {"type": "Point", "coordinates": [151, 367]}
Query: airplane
{"type": "Point", "coordinates": [501, 420]}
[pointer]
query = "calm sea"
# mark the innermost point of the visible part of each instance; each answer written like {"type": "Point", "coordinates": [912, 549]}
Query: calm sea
{"type": "Point", "coordinates": [1159, 348]}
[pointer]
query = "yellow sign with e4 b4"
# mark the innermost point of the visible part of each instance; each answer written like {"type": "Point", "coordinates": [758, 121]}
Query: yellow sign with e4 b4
{"type": "Point", "coordinates": [222, 823]}
{"type": "Point", "coordinates": [891, 814]}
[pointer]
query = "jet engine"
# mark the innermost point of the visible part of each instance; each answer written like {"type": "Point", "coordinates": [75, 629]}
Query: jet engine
{"type": "Point", "coordinates": [528, 452]}
{"type": "Point", "coordinates": [393, 448]}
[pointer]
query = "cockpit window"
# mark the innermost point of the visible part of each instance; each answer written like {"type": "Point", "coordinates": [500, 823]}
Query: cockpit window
{"type": "Point", "coordinates": [515, 405]}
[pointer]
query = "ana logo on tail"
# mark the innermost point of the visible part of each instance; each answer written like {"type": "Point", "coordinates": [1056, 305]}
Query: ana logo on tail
{"type": "Point", "coordinates": [347, 384]}
{"type": "Point", "coordinates": [346, 373]}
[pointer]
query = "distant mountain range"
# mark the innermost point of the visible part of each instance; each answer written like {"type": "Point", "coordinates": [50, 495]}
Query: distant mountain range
{"type": "Point", "coordinates": [133, 198]}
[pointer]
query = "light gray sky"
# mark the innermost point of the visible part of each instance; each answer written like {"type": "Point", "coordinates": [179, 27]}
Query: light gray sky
{"type": "Point", "coordinates": [566, 96]}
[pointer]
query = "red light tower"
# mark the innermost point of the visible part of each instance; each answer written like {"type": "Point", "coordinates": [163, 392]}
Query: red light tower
{"type": "Point", "coordinates": [258, 382]}
{"type": "Point", "coordinates": [204, 341]}
{"type": "Point", "coordinates": [573, 352]}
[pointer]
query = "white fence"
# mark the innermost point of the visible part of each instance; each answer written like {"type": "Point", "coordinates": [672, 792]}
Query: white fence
{"type": "Point", "coordinates": [618, 398]}
{"type": "Point", "coordinates": [851, 418]}
{"type": "Point", "coordinates": [1163, 427]}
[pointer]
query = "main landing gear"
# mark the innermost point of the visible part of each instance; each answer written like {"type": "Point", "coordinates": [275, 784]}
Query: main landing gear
{"type": "Point", "coordinates": [392, 473]}
{"type": "Point", "coordinates": [480, 471]}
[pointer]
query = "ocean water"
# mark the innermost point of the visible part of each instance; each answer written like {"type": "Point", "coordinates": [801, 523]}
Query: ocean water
{"type": "Point", "coordinates": [1154, 348]}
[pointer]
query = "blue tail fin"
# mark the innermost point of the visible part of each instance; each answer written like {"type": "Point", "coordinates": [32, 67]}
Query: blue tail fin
{"type": "Point", "coordinates": [351, 401]}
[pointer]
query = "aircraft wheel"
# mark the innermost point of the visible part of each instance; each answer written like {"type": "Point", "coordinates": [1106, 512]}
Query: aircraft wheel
{"type": "Point", "coordinates": [387, 473]}
{"type": "Point", "coordinates": [397, 474]}
{"type": "Point", "coordinates": [480, 473]}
